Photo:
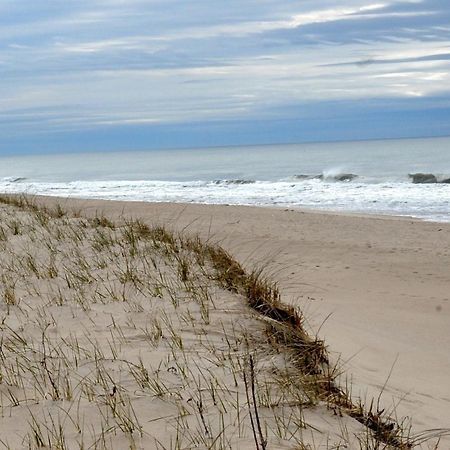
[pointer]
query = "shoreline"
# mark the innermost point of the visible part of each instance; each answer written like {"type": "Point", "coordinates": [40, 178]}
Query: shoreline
{"type": "Point", "coordinates": [375, 288]}
{"type": "Point", "coordinates": [301, 209]}
{"type": "Point", "coordinates": [298, 209]}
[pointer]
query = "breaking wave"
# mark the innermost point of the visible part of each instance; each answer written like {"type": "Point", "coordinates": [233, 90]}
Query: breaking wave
{"type": "Point", "coordinates": [238, 181]}
{"type": "Point", "coordinates": [12, 179]}
{"type": "Point", "coordinates": [429, 178]}
{"type": "Point", "coordinates": [427, 201]}
{"type": "Point", "coordinates": [327, 177]}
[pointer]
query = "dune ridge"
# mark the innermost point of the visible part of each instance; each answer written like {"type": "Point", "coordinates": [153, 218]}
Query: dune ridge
{"type": "Point", "coordinates": [126, 320]}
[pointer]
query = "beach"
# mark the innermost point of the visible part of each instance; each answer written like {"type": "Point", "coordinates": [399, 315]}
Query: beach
{"type": "Point", "coordinates": [375, 289]}
{"type": "Point", "coordinates": [225, 226]}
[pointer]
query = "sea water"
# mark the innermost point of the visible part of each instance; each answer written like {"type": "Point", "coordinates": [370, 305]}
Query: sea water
{"type": "Point", "coordinates": [289, 176]}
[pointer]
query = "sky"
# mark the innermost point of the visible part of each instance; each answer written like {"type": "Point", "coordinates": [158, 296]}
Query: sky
{"type": "Point", "coordinates": [96, 75]}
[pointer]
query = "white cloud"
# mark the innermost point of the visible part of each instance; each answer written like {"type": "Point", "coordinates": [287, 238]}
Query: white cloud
{"type": "Point", "coordinates": [237, 30]}
{"type": "Point", "coordinates": [246, 28]}
{"type": "Point", "coordinates": [109, 66]}
{"type": "Point", "coordinates": [128, 43]}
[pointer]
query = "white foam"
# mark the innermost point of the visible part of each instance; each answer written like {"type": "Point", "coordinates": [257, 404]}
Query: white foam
{"type": "Point", "coordinates": [431, 202]}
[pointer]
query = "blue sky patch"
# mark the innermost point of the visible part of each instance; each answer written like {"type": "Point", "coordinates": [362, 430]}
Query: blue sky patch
{"type": "Point", "coordinates": [95, 75]}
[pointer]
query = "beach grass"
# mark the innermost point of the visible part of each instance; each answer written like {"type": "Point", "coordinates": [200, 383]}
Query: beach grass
{"type": "Point", "coordinates": [123, 334]}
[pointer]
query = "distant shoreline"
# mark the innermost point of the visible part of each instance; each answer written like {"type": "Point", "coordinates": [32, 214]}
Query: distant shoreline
{"type": "Point", "coordinates": [302, 209]}
{"type": "Point", "coordinates": [400, 178]}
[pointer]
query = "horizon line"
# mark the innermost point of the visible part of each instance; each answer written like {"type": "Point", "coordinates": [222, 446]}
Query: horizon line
{"type": "Point", "coordinates": [231, 146]}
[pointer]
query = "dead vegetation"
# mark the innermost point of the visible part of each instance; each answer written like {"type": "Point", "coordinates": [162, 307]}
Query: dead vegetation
{"type": "Point", "coordinates": [123, 335]}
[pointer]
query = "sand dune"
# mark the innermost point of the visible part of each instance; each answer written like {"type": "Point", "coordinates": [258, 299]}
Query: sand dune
{"type": "Point", "coordinates": [375, 288]}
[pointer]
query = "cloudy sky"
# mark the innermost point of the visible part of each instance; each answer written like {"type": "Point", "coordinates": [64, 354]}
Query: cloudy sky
{"type": "Point", "coordinates": [135, 74]}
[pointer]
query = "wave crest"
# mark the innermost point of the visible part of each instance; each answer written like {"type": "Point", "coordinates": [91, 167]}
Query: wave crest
{"type": "Point", "coordinates": [327, 176]}
{"type": "Point", "coordinates": [237, 181]}
{"type": "Point", "coordinates": [13, 179]}
{"type": "Point", "coordinates": [428, 178]}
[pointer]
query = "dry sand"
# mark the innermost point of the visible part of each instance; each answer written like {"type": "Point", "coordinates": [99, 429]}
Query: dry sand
{"type": "Point", "coordinates": [375, 288]}
{"type": "Point", "coordinates": [378, 288]}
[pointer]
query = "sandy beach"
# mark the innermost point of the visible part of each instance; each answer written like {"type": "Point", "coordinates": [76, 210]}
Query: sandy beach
{"type": "Point", "coordinates": [374, 288]}
{"type": "Point", "coordinates": [225, 226]}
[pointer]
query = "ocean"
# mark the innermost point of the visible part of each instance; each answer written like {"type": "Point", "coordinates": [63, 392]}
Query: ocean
{"type": "Point", "coordinates": [370, 177]}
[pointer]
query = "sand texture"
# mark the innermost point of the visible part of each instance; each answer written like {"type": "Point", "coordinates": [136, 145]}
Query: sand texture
{"type": "Point", "coordinates": [117, 333]}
